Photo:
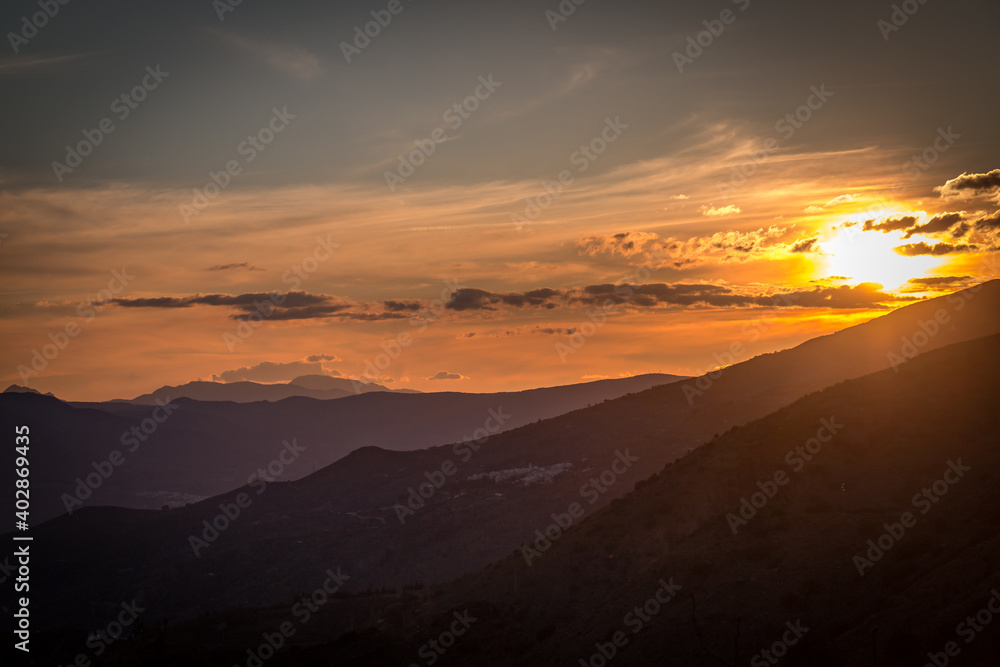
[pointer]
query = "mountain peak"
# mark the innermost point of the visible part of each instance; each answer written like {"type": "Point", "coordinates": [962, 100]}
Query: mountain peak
{"type": "Point", "coordinates": [18, 389]}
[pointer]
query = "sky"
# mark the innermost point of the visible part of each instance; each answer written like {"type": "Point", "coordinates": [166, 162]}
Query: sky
{"type": "Point", "coordinates": [475, 196]}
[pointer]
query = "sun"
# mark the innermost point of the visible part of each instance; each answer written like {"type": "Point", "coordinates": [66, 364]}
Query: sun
{"type": "Point", "coordinates": [870, 257]}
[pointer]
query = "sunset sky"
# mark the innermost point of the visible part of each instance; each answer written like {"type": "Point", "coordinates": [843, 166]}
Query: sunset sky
{"type": "Point", "coordinates": [805, 169]}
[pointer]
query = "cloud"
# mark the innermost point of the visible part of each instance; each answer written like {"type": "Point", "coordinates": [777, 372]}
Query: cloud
{"type": "Point", "coordinates": [24, 65]}
{"type": "Point", "coordinates": [521, 331]}
{"type": "Point", "coordinates": [399, 306]}
{"type": "Point", "coordinates": [713, 212]}
{"type": "Point", "coordinates": [625, 244]}
{"type": "Point", "coordinates": [679, 197]}
{"type": "Point", "coordinates": [836, 201]}
{"type": "Point", "coordinates": [293, 61]}
{"type": "Point", "coordinates": [972, 185]}
{"type": "Point", "coordinates": [322, 357]}
{"type": "Point", "coordinates": [937, 284]}
{"type": "Point", "coordinates": [865, 295]}
{"type": "Point", "coordinates": [917, 249]}
{"type": "Point", "coordinates": [233, 267]}
{"type": "Point", "coordinates": [272, 306]}
{"type": "Point", "coordinates": [890, 224]}
{"type": "Point", "coordinates": [268, 371]}
{"type": "Point", "coordinates": [936, 225]}
{"type": "Point", "coordinates": [989, 223]}
{"type": "Point", "coordinates": [725, 246]}
{"type": "Point", "coordinates": [468, 298]}
{"type": "Point", "coordinates": [842, 199]}
{"type": "Point", "coordinates": [805, 245]}
{"type": "Point", "coordinates": [445, 375]}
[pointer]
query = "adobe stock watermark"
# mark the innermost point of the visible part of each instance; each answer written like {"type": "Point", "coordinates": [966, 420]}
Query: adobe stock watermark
{"type": "Point", "coordinates": [99, 640]}
{"type": "Point", "coordinates": [924, 501]}
{"type": "Point", "coordinates": [942, 143]}
{"type": "Point", "coordinates": [363, 35]}
{"type": "Point", "coordinates": [223, 7]}
{"type": "Point", "coordinates": [796, 459]}
{"type": "Point", "coordinates": [432, 650]}
{"type": "Point", "coordinates": [103, 470]}
{"type": "Point", "coordinates": [635, 620]}
{"type": "Point", "coordinates": [454, 116]}
{"type": "Point", "coordinates": [469, 445]}
{"type": "Point", "coordinates": [562, 12]}
{"type": "Point", "coordinates": [898, 17]}
{"type": "Point", "coordinates": [786, 127]}
{"type": "Point", "coordinates": [302, 611]}
{"type": "Point", "coordinates": [697, 44]}
{"type": "Point", "coordinates": [61, 338]}
{"type": "Point", "coordinates": [581, 158]}
{"type": "Point", "coordinates": [731, 355]}
{"type": "Point", "coordinates": [912, 345]}
{"type": "Point", "coordinates": [968, 630]}
{"type": "Point", "coordinates": [229, 512]}
{"type": "Point", "coordinates": [592, 491]}
{"type": "Point", "coordinates": [248, 149]}
{"type": "Point", "coordinates": [597, 318]}
{"type": "Point", "coordinates": [31, 24]}
{"type": "Point", "coordinates": [293, 277]}
{"type": "Point", "coordinates": [779, 649]}
{"type": "Point", "coordinates": [122, 107]}
{"type": "Point", "coordinates": [392, 349]}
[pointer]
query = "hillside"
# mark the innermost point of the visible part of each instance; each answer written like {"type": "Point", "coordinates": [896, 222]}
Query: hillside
{"type": "Point", "coordinates": [802, 561]}
{"type": "Point", "coordinates": [349, 512]}
{"type": "Point", "coordinates": [199, 449]}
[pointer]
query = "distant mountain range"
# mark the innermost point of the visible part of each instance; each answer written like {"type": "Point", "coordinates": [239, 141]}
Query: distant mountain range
{"type": "Point", "coordinates": [903, 420]}
{"type": "Point", "coordinates": [859, 521]}
{"type": "Point", "coordinates": [321, 387]}
{"type": "Point", "coordinates": [204, 448]}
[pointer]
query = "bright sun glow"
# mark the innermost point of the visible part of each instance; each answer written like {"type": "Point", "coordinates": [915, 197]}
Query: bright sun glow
{"type": "Point", "coordinates": [869, 257]}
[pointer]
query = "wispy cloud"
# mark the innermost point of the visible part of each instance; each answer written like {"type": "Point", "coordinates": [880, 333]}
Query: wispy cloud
{"type": "Point", "coordinates": [719, 212]}
{"type": "Point", "coordinates": [35, 65]}
{"type": "Point", "coordinates": [293, 61]}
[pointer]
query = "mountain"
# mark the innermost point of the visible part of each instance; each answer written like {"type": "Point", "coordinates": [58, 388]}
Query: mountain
{"type": "Point", "coordinates": [191, 449]}
{"type": "Point", "coordinates": [18, 389]}
{"type": "Point", "coordinates": [320, 387]}
{"type": "Point", "coordinates": [855, 527]}
{"type": "Point", "coordinates": [491, 500]}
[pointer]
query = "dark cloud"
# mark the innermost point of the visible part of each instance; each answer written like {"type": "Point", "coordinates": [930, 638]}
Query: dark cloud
{"type": "Point", "coordinates": [283, 314]}
{"type": "Point", "coordinates": [273, 306]}
{"type": "Point", "coordinates": [543, 330]}
{"type": "Point", "coordinates": [989, 224]}
{"type": "Point", "coordinates": [890, 224]}
{"type": "Point", "coordinates": [470, 298]}
{"type": "Point", "coordinates": [917, 249]}
{"type": "Point", "coordinates": [373, 317]}
{"type": "Point", "coordinates": [936, 225]}
{"type": "Point", "coordinates": [399, 306]}
{"type": "Point", "coordinates": [972, 184]}
{"type": "Point", "coordinates": [269, 371]}
{"type": "Point", "coordinates": [805, 245]}
{"type": "Point", "coordinates": [939, 280]}
{"type": "Point", "coordinates": [866, 295]}
{"type": "Point", "coordinates": [233, 267]}
{"type": "Point", "coordinates": [322, 357]}
{"type": "Point", "coordinates": [154, 302]}
{"type": "Point", "coordinates": [937, 283]}
{"type": "Point", "coordinates": [445, 375]}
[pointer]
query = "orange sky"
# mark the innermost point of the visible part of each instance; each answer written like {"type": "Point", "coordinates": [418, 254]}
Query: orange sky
{"type": "Point", "coordinates": [804, 173]}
